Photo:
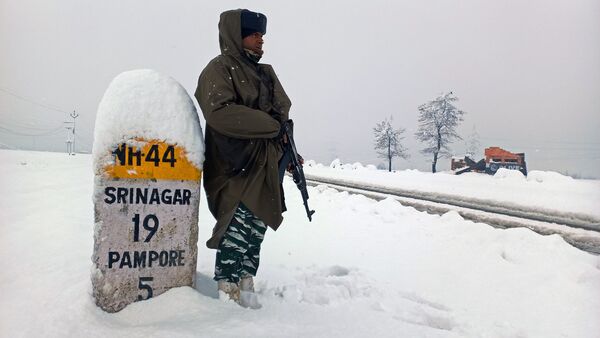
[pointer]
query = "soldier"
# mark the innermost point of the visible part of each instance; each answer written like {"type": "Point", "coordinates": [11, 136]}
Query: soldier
{"type": "Point", "coordinates": [244, 105]}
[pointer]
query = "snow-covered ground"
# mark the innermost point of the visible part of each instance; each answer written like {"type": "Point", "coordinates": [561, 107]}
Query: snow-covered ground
{"type": "Point", "coordinates": [542, 191]}
{"type": "Point", "coordinates": [361, 269]}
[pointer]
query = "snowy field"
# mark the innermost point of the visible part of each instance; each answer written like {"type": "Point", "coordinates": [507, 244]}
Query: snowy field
{"type": "Point", "coordinates": [539, 190]}
{"type": "Point", "coordinates": [360, 269]}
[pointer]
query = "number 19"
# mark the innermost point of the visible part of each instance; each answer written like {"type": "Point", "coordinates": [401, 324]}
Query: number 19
{"type": "Point", "coordinates": [146, 225]}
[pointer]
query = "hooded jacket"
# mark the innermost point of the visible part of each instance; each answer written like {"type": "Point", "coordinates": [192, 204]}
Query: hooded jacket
{"type": "Point", "coordinates": [243, 104]}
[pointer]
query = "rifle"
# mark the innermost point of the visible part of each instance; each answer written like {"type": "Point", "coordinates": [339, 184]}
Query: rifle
{"type": "Point", "coordinates": [290, 155]}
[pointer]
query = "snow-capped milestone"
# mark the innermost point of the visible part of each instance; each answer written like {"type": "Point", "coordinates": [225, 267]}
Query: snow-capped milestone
{"type": "Point", "coordinates": [148, 154]}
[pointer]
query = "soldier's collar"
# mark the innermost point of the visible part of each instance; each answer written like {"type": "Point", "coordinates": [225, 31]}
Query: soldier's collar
{"type": "Point", "coordinates": [254, 57]}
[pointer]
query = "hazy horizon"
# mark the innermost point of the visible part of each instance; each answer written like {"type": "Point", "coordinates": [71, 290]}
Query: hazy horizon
{"type": "Point", "coordinates": [527, 74]}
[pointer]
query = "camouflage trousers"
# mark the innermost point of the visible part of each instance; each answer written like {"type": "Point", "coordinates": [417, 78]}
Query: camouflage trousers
{"type": "Point", "coordinates": [239, 251]}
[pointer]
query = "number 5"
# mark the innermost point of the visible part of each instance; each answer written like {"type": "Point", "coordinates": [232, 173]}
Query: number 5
{"type": "Point", "coordinates": [145, 287]}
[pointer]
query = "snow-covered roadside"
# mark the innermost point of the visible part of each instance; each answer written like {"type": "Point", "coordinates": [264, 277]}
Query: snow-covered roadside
{"type": "Point", "coordinates": [361, 268]}
{"type": "Point", "coordinates": [542, 191]}
{"type": "Point", "coordinates": [586, 240]}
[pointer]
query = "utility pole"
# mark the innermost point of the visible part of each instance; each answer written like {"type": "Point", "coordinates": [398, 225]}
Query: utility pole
{"type": "Point", "coordinates": [70, 126]}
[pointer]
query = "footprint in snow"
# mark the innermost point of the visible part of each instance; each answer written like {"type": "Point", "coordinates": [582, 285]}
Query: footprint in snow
{"type": "Point", "coordinates": [411, 296]}
{"type": "Point", "coordinates": [423, 312]}
{"type": "Point", "coordinates": [325, 286]}
{"type": "Point", "coordinates": [429, 320]}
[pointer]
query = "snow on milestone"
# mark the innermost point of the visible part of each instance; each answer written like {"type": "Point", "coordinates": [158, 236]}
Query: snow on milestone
{"type": "Point", "coordinates": [146, 104]}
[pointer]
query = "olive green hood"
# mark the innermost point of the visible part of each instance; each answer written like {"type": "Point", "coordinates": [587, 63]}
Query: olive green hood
{"type": "Point", "coordinates": [230, 33]}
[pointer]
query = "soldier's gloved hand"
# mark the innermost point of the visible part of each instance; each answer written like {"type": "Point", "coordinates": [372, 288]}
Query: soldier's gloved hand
{"type": "Point", "coordinates": [291, 167]}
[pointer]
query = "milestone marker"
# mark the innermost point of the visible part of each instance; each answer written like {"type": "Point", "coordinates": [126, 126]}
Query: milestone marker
{"type": "Point", "coordinates": [148, 153]}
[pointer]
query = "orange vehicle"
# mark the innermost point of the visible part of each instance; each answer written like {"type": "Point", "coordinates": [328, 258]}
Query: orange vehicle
{"type": "Point", "coordinates": [496, 158]}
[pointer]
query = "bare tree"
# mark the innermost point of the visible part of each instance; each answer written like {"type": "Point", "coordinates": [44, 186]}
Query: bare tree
{"type": "Point", "coordinates": [473, 144]}
{"type": "Point", "coordinates": [387, 141]}
{"type": "Point", "coordinates": [438, 120]}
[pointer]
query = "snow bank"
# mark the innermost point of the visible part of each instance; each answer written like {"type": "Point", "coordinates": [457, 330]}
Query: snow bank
{"type": "Point", "coordinates": [145, 104]}
{"type": "Point", "coordinates": [548, 177]}
{"type": "Point", "coordinates": [312, 163]}
{"type": "Point", "coordinates": [540, 190]}
{"type": "Point", "coordinates": [504, 173]}
{"type": "Point", "coordinates": [337, 164]}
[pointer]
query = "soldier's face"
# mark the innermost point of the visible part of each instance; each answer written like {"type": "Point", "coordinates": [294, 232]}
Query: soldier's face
{"type": "Point", "coordinates": [254, 42]}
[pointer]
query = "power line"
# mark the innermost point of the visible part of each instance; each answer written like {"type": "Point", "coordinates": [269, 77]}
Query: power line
{"type": "Point", "coordinates": [11, 125]}
{"type": "Point", "coordinates": [18, 133]}
{"type": "Point", "coordinates": [34, 102]}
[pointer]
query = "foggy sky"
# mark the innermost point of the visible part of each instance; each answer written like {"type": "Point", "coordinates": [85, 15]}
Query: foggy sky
{"type": "Point", "coordinates": [527, 73]}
